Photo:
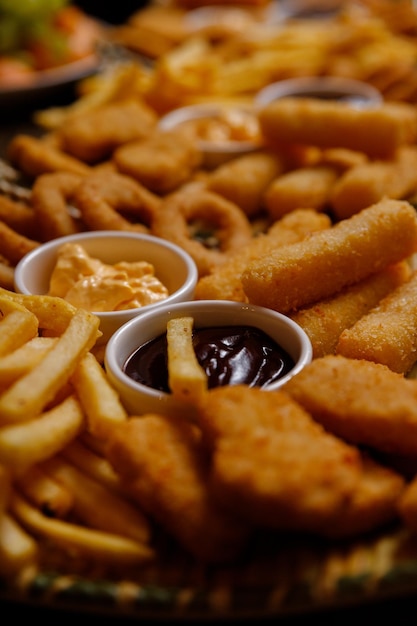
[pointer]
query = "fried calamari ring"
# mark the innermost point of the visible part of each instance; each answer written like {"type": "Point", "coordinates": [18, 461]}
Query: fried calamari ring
{"type": "Point", "coordinates": [51, 196]}
{"type": "Point", "coordinates": [33, 156]}
{"type": "Point", "coordinates": [13, 245]}
{"type": "Point", "coordinates": [203, 223]}
{"type": "Point", "coordinates": [103, 199]}
{"type": "Point", "coordinates": [19, 216]}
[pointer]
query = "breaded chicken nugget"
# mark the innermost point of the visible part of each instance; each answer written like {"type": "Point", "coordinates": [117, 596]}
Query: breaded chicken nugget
{"type": "Point", "coordinates": [164, 467]}
{"type": "Point", "coordinates": [278, 468]}
{"type": "Point", "coordinates": [295, 276]}
{"type": "Point", "coordinates": [92, 136]}
{"type": "Point", "coordinates": [363, 402]}
{"type": "Point", "coordinates": [161, 162]}
{"type": "Point", "coordinates": [325, 321]}
{"type": "Point", "coordinates": [377, 131]}
{"type": "Point", "coordinates": [387, 334]}
{"type": "Point", "coordinates": [366, 184]}
{"type": "Point", "coordinates": [244, 180]}
{"type": "Point", "coordinates": [303, 187]}
{"type": "Point", "coordinates": [223, 283]}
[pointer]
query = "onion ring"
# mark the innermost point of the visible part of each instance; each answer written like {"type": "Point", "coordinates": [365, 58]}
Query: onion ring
{"type": "Point", "coordinates": [51, 195]}
{"type": "Point", "coordinates": [19, 216]}
{"type": "Point", "coordinates": [102, 196]}
{"type": "Point", "coordinates": [185, 210]}
{"type": "Point", "coordinates": [13, 245]}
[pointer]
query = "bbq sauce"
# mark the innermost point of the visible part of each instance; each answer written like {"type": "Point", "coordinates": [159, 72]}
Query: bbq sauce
{"type": "Point", "coordinates": [230, 355]}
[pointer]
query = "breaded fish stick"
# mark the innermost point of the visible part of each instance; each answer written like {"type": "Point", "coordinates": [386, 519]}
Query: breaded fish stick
{"type": "Point", "coordinates": [363, 402]}
{"type": "Point", "coordinates": [325, 321]}
{"type": "Point", "coordinates": [377, 131]}
{"type": "Point", "coordinates": [223, 283]}
{"type": "Point", "coordinates": [387, 334]}
{"type": "Point", "coordinates": [366, 184]}
{"type": "Point", "coordinates": [295, 276]}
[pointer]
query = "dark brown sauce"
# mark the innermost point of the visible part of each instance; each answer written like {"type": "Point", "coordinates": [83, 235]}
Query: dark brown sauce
{"type": "Point", "coordinates": [230, 355]}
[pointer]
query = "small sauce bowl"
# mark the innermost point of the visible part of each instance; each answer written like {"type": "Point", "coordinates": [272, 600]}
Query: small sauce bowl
{"type": "Point", "coordinates": [353, 92]}
{"type": "Point", "coordinates": [223, 131]}
{"type": "Point", "coordinates": [174, 268]}
{"type": "Point", "coordinates": [139, 398]}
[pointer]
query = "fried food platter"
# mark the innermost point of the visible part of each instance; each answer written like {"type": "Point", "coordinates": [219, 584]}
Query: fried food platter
{"type": "Point", "coordinates": [278, 573]}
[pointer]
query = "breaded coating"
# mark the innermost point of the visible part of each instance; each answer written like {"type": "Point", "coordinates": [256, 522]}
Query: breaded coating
{"type": "Point", "coordinates": [325, 321]}
{"type": "Point", "coordinates": [272, 463]}
{"type": "Point", "coordinates": [164, 467]}
{"type": "Point", "coordinates": [407, 505]}
{"type": "Point", "coordinates": [303, 187]}
{"type": "Point", "coordinates": [366, 184]}
{"type": "Point", "coordinates": [161, 162]}
{"type": "Point", "coordinates": [387, 334]}
{"type": "Point", "coordinates": [223, 283]}
{"type": "Point", "coordinates": [363, 402]}
{"type": "Point", "coordinates": [92, 136]}
{"type": "Point", "coordinates": [243, 180]}
{"type": "Point", "coordinates": [376, 131]}
{"type": "Point", "coordinates": [300, 274]}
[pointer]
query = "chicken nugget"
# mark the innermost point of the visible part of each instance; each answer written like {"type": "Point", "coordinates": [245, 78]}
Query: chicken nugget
{"type": "Point", "coordinates": [164, 466]}
{"type": "Point", "coordinates": [223, 283]}
{"type": "Point", "coordinates": [325, 321]}
{"type": "Point", "coordinates": [278, 468]}
{"type": "Point", "coordinates": [299, 274]}
{"type": "Point", "coordinates": [376, 131]}
{"type": "Point", "coordinates": [161, 162]}
{"type": "Point", "coordinates": [366, 184]}
{"type": "Point", "coordinates": [92, 136]}
{"type": "Point", "coordinates": [243, 180]}
{"type": "Point", "coordinates": [303, 187]}
{"type": "Point", "coordinates": [363, 402]}
{"type": "Point", "coordinates": [387, 334]}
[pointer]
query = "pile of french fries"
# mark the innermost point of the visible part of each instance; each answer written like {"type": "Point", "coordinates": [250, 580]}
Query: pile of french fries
{"type": "Point", "coordinates": [56, 408]}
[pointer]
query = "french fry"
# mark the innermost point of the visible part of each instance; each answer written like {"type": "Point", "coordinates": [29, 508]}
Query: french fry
{"type": "Point", "coordinates": [17, 325]}
{"type": "Point", "coordinates": [100, 545]}
{"type": "Point", "coordinates": [29, 442]}
{"type": "Point", "coordinates": [17, 548]}
{"type": "Point", "coordinates": [96, 506]}
{"type": "Point", "coordinates": [92, 464]}
{"type": "Point", "coordinates": [99, 399]}
{"type": "Point", "coordinates": [29, 395]}
{"type": "Point", "coordinates": [23, 359]}
{"type": "Point", "coordinates": [186, 378]}
{"type": "Point", "coordinates": [51, 497]}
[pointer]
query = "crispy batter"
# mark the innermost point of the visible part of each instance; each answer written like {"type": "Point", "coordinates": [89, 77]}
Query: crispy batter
{"type": "Point", "coordinates": [164, 466]}
{"type": "Point", "coordinates": [162, 162]}
{"type": "Point", "coordinates": [325, 321]}
{"type": "Point", "coordinates": [388, 332]}
{"type": "Point", "coordinates": [366, 403]}
{"type": "Point", "coordinates": [308, 271]}
{"type": "Point", "coordinates": [278, 468]}
{"type": "Point", "coordinates": [224, 283]}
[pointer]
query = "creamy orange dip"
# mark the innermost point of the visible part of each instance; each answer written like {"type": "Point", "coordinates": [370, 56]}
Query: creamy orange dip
{"type": "Point", "coordinates": [224, 126]}
{"type": "Point", "coordinates": [95, 286]}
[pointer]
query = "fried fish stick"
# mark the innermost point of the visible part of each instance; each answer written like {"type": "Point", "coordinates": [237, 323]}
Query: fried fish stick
{"type": "Point", "coordinates": [366, 184]}
{"type": "Point", "coordinates": [295, 276]}
{"type": "Point", "coordinates": [244, 180]}
{"type": "Point", "coordinates": [325, 321]}
{"type": "Point", "coordinates": [303, 187]}
{"type": "Point", "coordinates": [363, 402]}
{"type": "Point", "coordinates": [377, 131]}
{"type": "Point", "coordinates": [387, 334]}
{"type": "Point", "coordinates": [224, 281]}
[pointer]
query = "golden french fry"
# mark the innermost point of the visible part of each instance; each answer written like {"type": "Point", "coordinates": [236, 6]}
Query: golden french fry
{"type": "Point", "coordinates": [23, 359]}
{"type": "Point", "coordinates": [17, 548]}
{"type": "Point", "coordinates": [17, 325]}
{"type": "Point", "coordinates": [98, 507]}
{"type": "Point", "coordinates": [99, 399]}
{"type": "Point", "coordinates": [29, 395]}
{"type": "Point", "coordinates": [92, 464]}
{"type": "Point", "coordinates": [29, 442]}
{"type": "Point", "coordinates": [100, 545]}
{"type": "Point", "coordinates": [186, 378]}
{"type": "Point", "coordinates": [47, 494]}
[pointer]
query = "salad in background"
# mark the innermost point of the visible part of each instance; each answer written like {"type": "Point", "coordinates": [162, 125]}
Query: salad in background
{"type": "Point", "coordinates": [39, 35]}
